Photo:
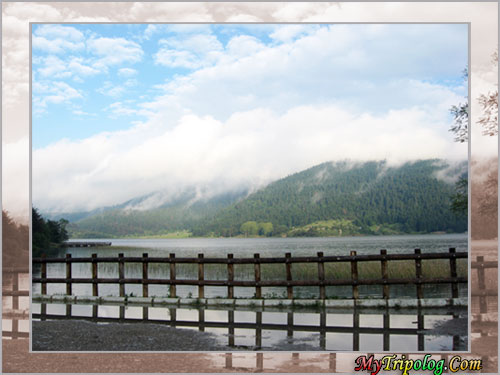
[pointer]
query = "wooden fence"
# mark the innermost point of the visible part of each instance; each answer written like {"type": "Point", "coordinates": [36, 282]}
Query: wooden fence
{"type": "Point", "coordinates": [480, 289]}
{"type": "Point", "coordinates": [11, 289]}
{"type": "Point", "coordinates": [321, 281]}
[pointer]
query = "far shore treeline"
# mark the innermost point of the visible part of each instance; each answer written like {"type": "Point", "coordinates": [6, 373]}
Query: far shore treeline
{"type": "Point", "coordinates": [330, 199]}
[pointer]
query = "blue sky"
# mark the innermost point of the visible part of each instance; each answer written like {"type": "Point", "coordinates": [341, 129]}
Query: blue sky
{"type": "Point", "coordinates": [218, 106]}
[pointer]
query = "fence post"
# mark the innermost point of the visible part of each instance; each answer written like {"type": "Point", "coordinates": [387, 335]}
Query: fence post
{"type": "Point", "coordinates": [355, 329]}
{"type": "Point", "coordinates": [322, 331]}
{"type": "Point", "coordinates": [94, 275]}
{"type": "Point", "coordinates": [145, 284]}
{"type": "Point", "coordinates": [68, 274]}
{"type": "Point", "coordinates": [121, 274]}
{"type": "Point", "coordinates": [386, 335]}
{"type": "Point", "coordinates": [421, 328]}
{"type": "Point", "coordinates": [321, 276]}
{"type": "Point", "coordinates": [258, 289]}
{"type": "Point", "coordinates": [384, 275]}
{"type": "Point", "coordinates": [453, 273]}
{"type": "Point", "coordinates": [289, 288]}
{"type": "Point", "coordinates": [44, 274]}
{"type": "Point", "coordinates": [201, 319]}
{"type": "Point", "coordinates": [258, 329]}
{"type": "Point", "coordinates": [230, 319]}
{"type": "Point", "coordinates": [230, 276]}
{"type": "Point", "coordinates": [418, 273]}
{"type": "Point", "coordinates": [201, 277]}
{"type": "Point", "coordinates": [15, 289]}
{"type": "Point", "coordinates": [43, 311]}
{"type": "Point", "coordinates": [481, 284]}
{"type": "Point", "coordinates": [173, 316]}
{"type": "Point", "coordinates": [172, 275]}
{"type": "Point", "coordinates": [289, 321]}
{"type": "Point", "coordinates": [354, 277]}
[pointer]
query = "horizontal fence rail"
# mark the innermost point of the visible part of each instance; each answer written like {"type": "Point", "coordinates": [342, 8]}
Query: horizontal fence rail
{"type": "Point", "coordinates": [321, 281]}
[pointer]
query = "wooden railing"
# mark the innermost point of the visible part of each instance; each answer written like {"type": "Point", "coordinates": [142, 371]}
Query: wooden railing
{"type": "Point", "coordinates": [321, 281]}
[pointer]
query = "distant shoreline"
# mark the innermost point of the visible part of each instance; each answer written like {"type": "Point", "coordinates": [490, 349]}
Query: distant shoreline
{"type": "Point", "coordinates": [166, 237]}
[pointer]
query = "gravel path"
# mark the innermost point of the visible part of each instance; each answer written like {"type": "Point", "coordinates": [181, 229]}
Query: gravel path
{"type": "Point", "coordinates": [77, 335]}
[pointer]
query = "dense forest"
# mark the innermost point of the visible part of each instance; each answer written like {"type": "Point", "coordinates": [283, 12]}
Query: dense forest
{"type": "Point", "coordinates": [330, 199]}
{"type": "Point", "coordinates": [46, 233]}
{"type": "Point", "coordinates": [370, 196]}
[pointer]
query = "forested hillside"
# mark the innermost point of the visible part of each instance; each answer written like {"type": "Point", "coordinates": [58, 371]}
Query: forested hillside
{"type": "Point", "coordinates": [177, 216]}
{"type": "Point", "coordinates": [340, 198]}
{"type": "Point", "coordinates": [370, 196]}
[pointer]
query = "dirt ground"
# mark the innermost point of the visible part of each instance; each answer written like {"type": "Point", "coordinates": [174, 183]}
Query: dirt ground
{"type": "Point", "coordinates": [78, 335]}
{"type": "Point", "coordinates": [16, 359]}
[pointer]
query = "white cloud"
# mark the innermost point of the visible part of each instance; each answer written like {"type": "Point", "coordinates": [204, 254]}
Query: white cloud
{"type": "Point", "coordinates": [244, 45]}
{"type": "Point", "coordinates": [53, 92]}
{"type": "Point", "coordinates": [59, 31]}
{"type": "Point", "coordinates": [54, 67]}
{"type": "Point", "coordinates": [287, 33]}
{"type": "Point", "coordinates": [193, 51]}
{"type": "Point", "coordinates": [127, 72]}
{"type": "Point", "coordinates": [114, 51]}
{"type": "Point", "coordinates": [78, 66]}
{"type": "Point", "coordinates": [326, 65]}
{"type": "Point", "coordinates": [57, 39]}
{"type": "Point", "coordinates": [118, 109]}
{"type": "Point", "coordinates": [250, 148]}
{"type": "Point", "coordinates": [56, 45]}
{"type": "Point", "coordinates": [79, 112]}
{"type": "Point", "coordinates": [110, 89]}
{"type": "Point", "coordinates": [113, 90]}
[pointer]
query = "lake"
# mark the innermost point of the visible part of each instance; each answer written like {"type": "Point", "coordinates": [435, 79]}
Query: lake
{"type": "Point", "coordinates": [246, 247]}
{"type": "Point", "coordinates": [280, 246]}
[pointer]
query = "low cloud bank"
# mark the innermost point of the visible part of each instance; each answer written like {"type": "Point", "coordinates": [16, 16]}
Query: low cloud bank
{"type": "Point", "coordinates": [249, 150]}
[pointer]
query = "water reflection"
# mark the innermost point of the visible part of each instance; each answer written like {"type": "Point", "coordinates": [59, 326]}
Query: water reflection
{"type": "Point", "coordinates": [305, 329]}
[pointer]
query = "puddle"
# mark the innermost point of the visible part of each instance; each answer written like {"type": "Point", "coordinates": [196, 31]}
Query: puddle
{"type": "Point", "coordinates": [311, 329]}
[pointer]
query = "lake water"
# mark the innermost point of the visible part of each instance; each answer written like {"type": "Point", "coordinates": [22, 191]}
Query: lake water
{"type": "Point", "coordinates": [246, 247]}
{"type": "Point", "coordinates": [280, 246]}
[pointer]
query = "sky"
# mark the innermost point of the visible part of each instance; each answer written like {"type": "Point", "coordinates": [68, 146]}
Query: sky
{"type": "Point", "coordinates": [121, 111]}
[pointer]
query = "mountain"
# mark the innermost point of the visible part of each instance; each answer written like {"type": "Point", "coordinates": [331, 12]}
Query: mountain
{"type": "Point", "coordinates": [131, 219]}
{"type": "Point", "coordinates": [341, 198]}
{"type": "Point", "coordinates": [414, 197]}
